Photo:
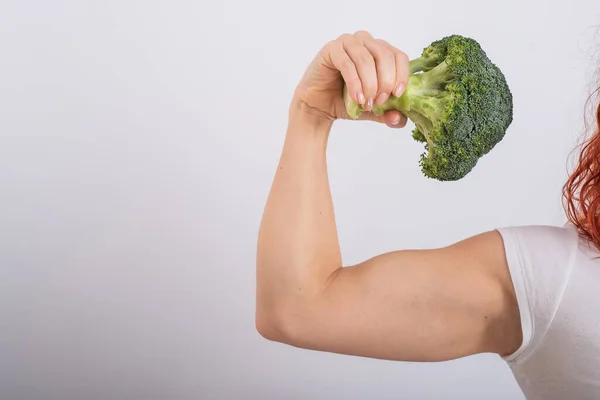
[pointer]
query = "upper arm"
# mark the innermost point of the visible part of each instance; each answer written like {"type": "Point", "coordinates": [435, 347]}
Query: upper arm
{"type": "Point", "coordinates": [415, 305]}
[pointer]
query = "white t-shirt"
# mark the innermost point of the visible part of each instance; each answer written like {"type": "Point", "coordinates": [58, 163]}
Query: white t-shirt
{"type": "Point", "coordinates": [556, 275]}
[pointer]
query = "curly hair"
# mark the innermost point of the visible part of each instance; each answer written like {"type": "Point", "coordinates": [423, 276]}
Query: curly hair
{"type": "Point", "coordinates": [581, 192]}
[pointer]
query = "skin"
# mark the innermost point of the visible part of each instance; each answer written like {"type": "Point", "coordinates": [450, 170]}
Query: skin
{"type": "Point", "coordinates": [407, 305]}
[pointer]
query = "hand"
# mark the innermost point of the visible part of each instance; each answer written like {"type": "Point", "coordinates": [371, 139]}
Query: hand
{"type": "Point", "coordinates": [372, 69]}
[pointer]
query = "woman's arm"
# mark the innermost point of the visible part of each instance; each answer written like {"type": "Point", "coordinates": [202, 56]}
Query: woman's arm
{"type": "Point", "coordinates": [413, 305]}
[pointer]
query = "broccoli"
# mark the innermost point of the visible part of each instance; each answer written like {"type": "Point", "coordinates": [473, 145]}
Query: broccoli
{"type": "Point", "coordinates": [459, 101]}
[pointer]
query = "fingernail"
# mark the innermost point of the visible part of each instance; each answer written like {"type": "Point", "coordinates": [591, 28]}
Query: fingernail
{"type": "Point", "coordinates": [381, 98]}
{"type": "Point", "coordinates": [361, 98]}
{"type": "Point", "coordinates": [396, 120]}
{"type": "Point", "coordinates": [399, 90]}
{"type": "Point", "coordinates": [369, 104]}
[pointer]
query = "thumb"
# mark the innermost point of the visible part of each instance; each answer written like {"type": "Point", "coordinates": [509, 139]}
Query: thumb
{"type": "Point", "coordinates": [393, 119]}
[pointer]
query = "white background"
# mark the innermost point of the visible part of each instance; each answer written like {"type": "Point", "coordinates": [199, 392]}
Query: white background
{"type": "Point", "coordinates": [138, 140]}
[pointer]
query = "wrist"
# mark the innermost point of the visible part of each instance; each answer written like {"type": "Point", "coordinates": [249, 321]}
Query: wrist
{"type": "Point", "coordinates": [307, 121]}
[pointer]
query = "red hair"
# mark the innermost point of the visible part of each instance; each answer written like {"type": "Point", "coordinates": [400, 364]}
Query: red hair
{"type": "Point", "coordinates": [581, 192]}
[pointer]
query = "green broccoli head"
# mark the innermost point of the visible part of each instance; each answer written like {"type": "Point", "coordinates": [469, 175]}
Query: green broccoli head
{"type": "Point", "coordinates": [460, 103]}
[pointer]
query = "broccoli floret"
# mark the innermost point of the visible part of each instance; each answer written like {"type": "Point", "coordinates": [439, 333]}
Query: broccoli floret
{"type": "Point", "coordinates": [460, 103]}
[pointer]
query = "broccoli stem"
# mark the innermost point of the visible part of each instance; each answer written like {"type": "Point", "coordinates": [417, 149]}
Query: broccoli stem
{"type": "Point", "coordinates": [422, 64]}
{"type": "Point", "coordinates": [422, 101]}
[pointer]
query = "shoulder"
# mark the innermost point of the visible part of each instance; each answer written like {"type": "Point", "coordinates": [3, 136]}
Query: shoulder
{"type": "Point", "coordinates": [537, 237]}
{"type": "Point", "coordinates": [540, 259]}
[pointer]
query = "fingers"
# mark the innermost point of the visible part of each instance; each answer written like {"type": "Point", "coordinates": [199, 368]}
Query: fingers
{"type": "Point", "coordinates": [372, 70]}
{"type": "Point", "coordinates": [385, 63]}
{"type": "Point", "coordinates": [394, 119]}
{"type": "Point", "coordinates": [402, 71]}
{"type": "Point", "coordinates": [392, 66]}
{"type": "Point", "coordinates": [365, 66]}
{"type": "Point", "coordinates": [343, 63]}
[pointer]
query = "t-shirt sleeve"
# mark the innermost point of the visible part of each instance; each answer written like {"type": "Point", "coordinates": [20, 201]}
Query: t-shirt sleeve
{"type": "Point", "coordinates": [540, 259]}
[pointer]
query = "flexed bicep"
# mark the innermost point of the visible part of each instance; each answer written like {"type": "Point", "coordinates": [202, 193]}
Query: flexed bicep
{"type": "Point", "coordinates": [415, 305]}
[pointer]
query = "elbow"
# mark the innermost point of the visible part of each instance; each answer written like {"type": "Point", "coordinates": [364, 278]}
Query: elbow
{"type": "Point", "coordinates": [281, 324]}
{"type": "Point", "coordinates": [290, 318]}
{"type": "Point", "coordinates": [267, 325]}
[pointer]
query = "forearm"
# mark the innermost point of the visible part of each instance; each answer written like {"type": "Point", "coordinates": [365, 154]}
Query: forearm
{"type": "Point", "coordinates": [298, 246]}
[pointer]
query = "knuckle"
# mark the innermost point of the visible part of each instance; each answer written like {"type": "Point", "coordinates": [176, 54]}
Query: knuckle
{"type": "Point", "coordinates": [402, 56]}
{"type": "Point", "coordinates": [389, 56]}
{"type": "Point", "coordinates": [362, 33]}
{"type": "Point", "coordinates": [370, 88]}
{"type": "Point", "coordinates": [344, 37]}
{"type": "Point", "coordinates": [347, 67]}
{"type": "Point", "coordinates": [329, 46]}
{"type": "Point", "coordinates": [365, 58]}
{"type": "Point", "coordinates": [381, 53]}
{"type": "Point", "coordinates": [387, 83]}
{"type": "Point", "coordinates": [354, 83]}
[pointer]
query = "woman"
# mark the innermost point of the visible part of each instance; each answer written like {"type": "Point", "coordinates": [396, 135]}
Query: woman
{"type": "Point", "coordinates": [529, 294]}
